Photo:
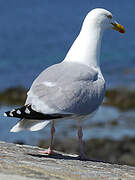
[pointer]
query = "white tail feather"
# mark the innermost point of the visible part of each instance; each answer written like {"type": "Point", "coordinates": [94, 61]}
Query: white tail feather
{"type": "Point", "coordinates": [16, 128]}
{"type": "Point", "coordinates": [39, 126]}
{"type": "Point", "coordinates": [29, 124]}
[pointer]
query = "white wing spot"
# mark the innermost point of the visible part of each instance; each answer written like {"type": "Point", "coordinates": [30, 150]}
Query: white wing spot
{"type": "Point", "coordinates": [5, 114]}
{"type": "Point", "coordinates": [18, 111]}
{"type": "Point", "coordinates": [11, 114]}
{"type": "Point", "coordinates": [49, 84]}
{"type": "Point", "coordinates": [27, 111]}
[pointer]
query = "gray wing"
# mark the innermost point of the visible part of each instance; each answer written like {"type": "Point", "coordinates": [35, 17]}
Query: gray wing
{"type": "Point", "coordinates": [67, 88]}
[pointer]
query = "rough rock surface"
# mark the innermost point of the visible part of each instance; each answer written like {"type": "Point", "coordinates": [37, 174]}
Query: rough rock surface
{"type": "Point", "coordinates": [20, 162]}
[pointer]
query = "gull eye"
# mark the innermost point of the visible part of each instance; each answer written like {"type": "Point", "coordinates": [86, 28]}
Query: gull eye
{"type": "Point", "coordinates": [109, 16]}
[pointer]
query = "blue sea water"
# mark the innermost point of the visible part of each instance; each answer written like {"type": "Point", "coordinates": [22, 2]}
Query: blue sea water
{"type": "Point", "coordinates": [36, 34]}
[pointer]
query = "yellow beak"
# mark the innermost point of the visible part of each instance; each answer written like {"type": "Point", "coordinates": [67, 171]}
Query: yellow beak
{"type": "Point", "coordinates": [118, 27]}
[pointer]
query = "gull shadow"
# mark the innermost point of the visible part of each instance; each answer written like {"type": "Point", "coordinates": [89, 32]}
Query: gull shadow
{"type": "Point", "coordinates": [58, 156]}
{"type": "Point", "coordinates": [64, 157]}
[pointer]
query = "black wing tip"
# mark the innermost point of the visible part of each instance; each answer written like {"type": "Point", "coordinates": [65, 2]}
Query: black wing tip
{"type": "Point", "coordinates": [28, 113]}
{"type": "Point", "coordinates": [9, 113]}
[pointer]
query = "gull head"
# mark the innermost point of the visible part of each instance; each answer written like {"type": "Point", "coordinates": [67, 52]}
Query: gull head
{"type": "Point", "coordinates": [102, 19]}
{"type": "Point", "coordinates": [86, 47]}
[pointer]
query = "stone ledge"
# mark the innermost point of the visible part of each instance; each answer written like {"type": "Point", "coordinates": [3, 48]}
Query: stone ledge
{"type": "Point", "coordinates": [20, 162]}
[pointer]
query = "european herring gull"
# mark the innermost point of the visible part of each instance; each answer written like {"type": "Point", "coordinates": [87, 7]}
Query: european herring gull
{"type": "Point", "coordinates": [72, 89]}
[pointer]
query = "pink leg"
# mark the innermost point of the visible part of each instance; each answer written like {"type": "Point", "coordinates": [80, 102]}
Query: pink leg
{"type": "Point", "coordinates": [80, 135]}
{"type": "Point", "coordinates": [50, 151]}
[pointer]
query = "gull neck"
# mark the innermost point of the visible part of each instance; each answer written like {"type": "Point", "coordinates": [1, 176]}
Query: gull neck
{"type": "Point", "coordinates": [86, 47]}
